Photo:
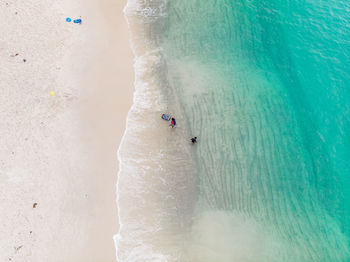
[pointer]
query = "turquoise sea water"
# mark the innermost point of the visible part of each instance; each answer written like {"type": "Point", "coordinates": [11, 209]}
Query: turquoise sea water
{"type": "Point", "coordinates": [265, 86]}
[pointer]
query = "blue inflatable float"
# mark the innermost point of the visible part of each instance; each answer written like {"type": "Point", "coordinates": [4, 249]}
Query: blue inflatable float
{"type": "Point", "coordinates": [166, 117]}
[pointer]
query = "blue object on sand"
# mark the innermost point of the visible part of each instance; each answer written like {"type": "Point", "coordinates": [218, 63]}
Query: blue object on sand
{"type": "Point", "coordinates": [77, 21]}
{"type": "Point", "coordinates": [68, 19]}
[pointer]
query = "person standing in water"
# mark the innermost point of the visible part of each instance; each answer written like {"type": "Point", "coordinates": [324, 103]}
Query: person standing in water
{"type": "Point", "coordinates": [173, 122]}
{"type": "Point", "coordinates": [194, 140]}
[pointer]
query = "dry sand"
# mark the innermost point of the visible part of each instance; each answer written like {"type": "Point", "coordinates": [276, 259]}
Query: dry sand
{"type": "Point", "coordinates": [64, 96]}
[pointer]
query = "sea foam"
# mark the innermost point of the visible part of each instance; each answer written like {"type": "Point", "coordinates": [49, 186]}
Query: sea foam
{"type": "Point", "coordinates": [155, 189]}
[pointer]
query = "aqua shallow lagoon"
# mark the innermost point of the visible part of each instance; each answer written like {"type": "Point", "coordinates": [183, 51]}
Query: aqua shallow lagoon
{"type": "Point", "coordinates": [265, 87]}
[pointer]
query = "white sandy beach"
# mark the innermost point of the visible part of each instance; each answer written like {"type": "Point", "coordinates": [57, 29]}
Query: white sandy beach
{"type": "Point", "coordinates": [64, 96]}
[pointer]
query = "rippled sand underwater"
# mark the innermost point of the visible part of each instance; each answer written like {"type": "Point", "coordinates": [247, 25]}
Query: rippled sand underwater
{"type": "Point", "coordinates": [264, 86]}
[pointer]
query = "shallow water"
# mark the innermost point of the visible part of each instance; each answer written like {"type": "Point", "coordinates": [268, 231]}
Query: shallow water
{"type": "Point", "coordinates": [264, 85]}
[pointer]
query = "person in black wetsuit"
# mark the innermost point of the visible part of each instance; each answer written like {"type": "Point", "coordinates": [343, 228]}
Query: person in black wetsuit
{"type": "Point", "coordinates": [194, 140]}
